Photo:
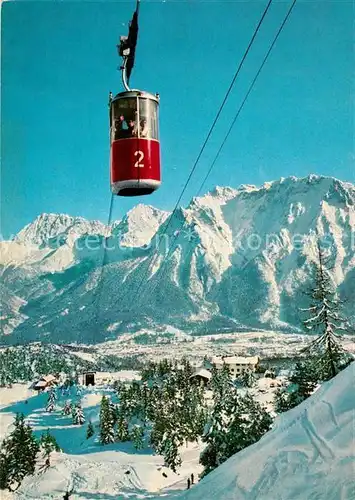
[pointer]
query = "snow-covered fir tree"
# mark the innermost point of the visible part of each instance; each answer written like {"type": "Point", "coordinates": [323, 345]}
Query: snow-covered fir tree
{"type": "Point", "coordinates": [258, 420]}
{"type": "Point", "coordinates": [325, 321]}
{"type": "Point", "coordinates": [221, 382]}
{"type": "Point", "coordinates": [304, 378]}
{"type": "Point", "coordinates": [107, 433]}
{"type": "Point", "coordinates": [282, 400]}
{"type": "Point", "coordinates": [114, 411]}
{"type": "Point", "coordinates": [18, 454]}
{"type": "Point", "coordinates": [122, 431]}
{"type": "Point", "coordinates": [247, 379]}
{"type": "Point", "coordinates": [235, 424]}
{"type": "Point", "coordinates": [191, 412]}
{"type": "Point", "coordinates": [215, 437]}
{"type": "Point", "coordinates": [48, 444]}
{"type": "Point", "coordinates": [78, 415]}
{"type": "Point", "coordinates": [137, 434]}
{"type": "Point", "coordinates": [4, 466]}
{"type": "Point", "coordinates": [302, 383]}
{"type": "Point", "coordinates": [51, 401]}
{"type": "Point", "coordinates": [170, 449]}
{"type": "Point", "coordinates": [67, 410]}
{"type": "Point", "coordinates": [90, 430]}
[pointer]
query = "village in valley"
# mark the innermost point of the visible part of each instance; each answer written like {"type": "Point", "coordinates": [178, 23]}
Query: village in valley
{"type": "Point", "coordinates": [162, 426]}
{"type": "Point", "coordinates": [158, 413]}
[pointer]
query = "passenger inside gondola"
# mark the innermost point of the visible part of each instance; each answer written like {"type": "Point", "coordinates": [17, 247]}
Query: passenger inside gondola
{"type": "Point", "coordinates": [124, 128]}
{"type": "Point", "coordinates": [132, 128]}
{"type": "Point", "coordinates": [144, 128]}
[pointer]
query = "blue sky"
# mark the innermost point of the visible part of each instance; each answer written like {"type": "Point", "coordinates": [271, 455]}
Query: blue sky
{"type": "Point", "coordinates": [59, 62]}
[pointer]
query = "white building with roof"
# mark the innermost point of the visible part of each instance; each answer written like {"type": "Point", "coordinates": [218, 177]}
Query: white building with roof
{"type": "Point", "coordinates": [237, 364]}
{"type": "Point", "coordinates": [202, 377]}
{"type": "Point", "coordinates": [107, 378]}
{"type": "Point", "coordinates": [45, 382]}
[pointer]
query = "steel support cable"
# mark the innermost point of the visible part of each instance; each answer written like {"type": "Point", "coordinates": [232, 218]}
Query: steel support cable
{"type": "Point", "coordinates": [145, 275]}
{"type": "Point", "coordinates": [246, 97]}
{"type": "Point", "coordinates": [97, 294]}
{"type": "Point", "coordinates": [232, 125]}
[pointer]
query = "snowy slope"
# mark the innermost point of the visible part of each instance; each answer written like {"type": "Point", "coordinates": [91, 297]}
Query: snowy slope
{"type": "Point", "coordinates": [92, 470]}
{"type": "Point", "coordinates": [233, 260]}
{"type": "Point", "coordinates": [309, 454]}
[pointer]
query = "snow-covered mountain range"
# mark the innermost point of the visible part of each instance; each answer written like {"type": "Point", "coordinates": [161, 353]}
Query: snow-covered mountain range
{"type": "Point", "coordinates": [234, 259]}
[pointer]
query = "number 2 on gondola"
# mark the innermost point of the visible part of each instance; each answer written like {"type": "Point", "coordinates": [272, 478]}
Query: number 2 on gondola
{"type": "Point", "coordinates": [141, 157]}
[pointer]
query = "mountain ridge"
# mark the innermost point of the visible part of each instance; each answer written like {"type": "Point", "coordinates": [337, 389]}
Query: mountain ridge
{"type": "Point", "coordinates": [232, 259]}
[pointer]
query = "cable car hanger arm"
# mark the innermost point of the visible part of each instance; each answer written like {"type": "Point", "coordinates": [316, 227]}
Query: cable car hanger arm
{"type": "Point", "coordinates": [127, 48]}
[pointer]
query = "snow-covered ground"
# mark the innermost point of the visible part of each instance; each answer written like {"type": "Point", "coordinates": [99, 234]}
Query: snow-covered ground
{"type": "Point", "coordinates": [308, 455]}
{"type": "Point", "coordinates": [91, 470]}
{"type": "Point", "coordinates": [8, 398]}
{"type": "Point", "coordinates": [118, 470]}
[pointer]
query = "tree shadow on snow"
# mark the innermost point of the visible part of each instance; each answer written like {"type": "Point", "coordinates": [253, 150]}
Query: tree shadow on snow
{"type": "Point", "coordinates": [71, 438]}
{"type": "Point", "coordinates": [130, 495]}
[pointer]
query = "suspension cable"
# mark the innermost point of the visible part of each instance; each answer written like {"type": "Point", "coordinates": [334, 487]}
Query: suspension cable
{"type": "Point", "coordinates": [246, 97]}
{"type": "Point", "coordinates": [145, 275]}
{"type": "Point", "coordinates": [97, 294]}
{"type": "Point", "coordinates": [230, 128]}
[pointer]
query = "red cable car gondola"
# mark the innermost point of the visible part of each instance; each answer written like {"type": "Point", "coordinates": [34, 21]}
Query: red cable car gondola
{"type": "Point", "coordinates": [134, 138]}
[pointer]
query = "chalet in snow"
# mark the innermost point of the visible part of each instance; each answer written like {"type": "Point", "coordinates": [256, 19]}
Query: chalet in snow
{"type": "Point", "coordinates": [45, 382]}
{"type": "Point", "coordinates": [237, 364]}
{"type": "Point", "coordinates": [202, 377]}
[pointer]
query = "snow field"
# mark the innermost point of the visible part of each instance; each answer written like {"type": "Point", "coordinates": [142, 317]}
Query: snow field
{"type": "Point", "coordinates": [308, 455]}
{"type": "Point", "coordinates": [94, 471]}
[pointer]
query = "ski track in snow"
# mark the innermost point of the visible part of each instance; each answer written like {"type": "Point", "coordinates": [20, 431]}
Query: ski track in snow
{"type": "Point", "coordinates": [320, 445]}
{"type": "Point", "coordinates": [331, 413]}
{"type": "Point", "coordinates": [306, 456]}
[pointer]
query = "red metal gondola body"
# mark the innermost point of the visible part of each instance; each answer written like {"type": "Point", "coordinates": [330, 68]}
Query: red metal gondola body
{"type": "Point", "coordinates": [134, 143]}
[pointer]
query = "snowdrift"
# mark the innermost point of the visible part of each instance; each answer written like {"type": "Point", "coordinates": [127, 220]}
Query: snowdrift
{"type": "Point", "coordinates": [309, 454]}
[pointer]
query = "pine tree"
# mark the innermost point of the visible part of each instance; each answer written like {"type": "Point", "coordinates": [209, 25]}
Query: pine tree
{"type": "Point", "coordinates": [235, 424]}
{"type": "Point", "coordinates": [283, 400]}
{"type": "Point", "coordinates": [304, 378]}
{"type": "Point", "coordinates": [170, 445]}
{"type": "Point", "coordinates": [221, 382]}
{"type": "Point", "coordinates": [90, 430]}
{"type": "Point", "coordinates": [235, 436]}
{"type": "Point", "coordinates": [303, 382]}
{"type": "Point", "coordinates": [106, 422]}
{"type": "Point", "coordinates": [4, 465]}
{"type": "Point", "coordinates": [19, 452]}
{"type": "Point", "coordinates": [113, 410]}
{"type": "Point", "coordinates": [67, 410]}
{"type": "Point", "coordinates": [78, 418]}
{"type": "Point", "coordinates": [51, 401]}
{"type": "Point", "coordinates": [326, 321]}
{"type": "Point", "coordinates": [224, 395]}
{"type": "Point", "coordinates": [137, 435]}
{"type": "Point", "coordinates": [247, 379]}
{"type": "Point", "coordinates": [258, 420]}
{"type": "Point", "coordinates": [122, 432]}
{"type": "Point", "coordinates": [48, 444]}
{"type": "Point", "coordinates": [215, 438]}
